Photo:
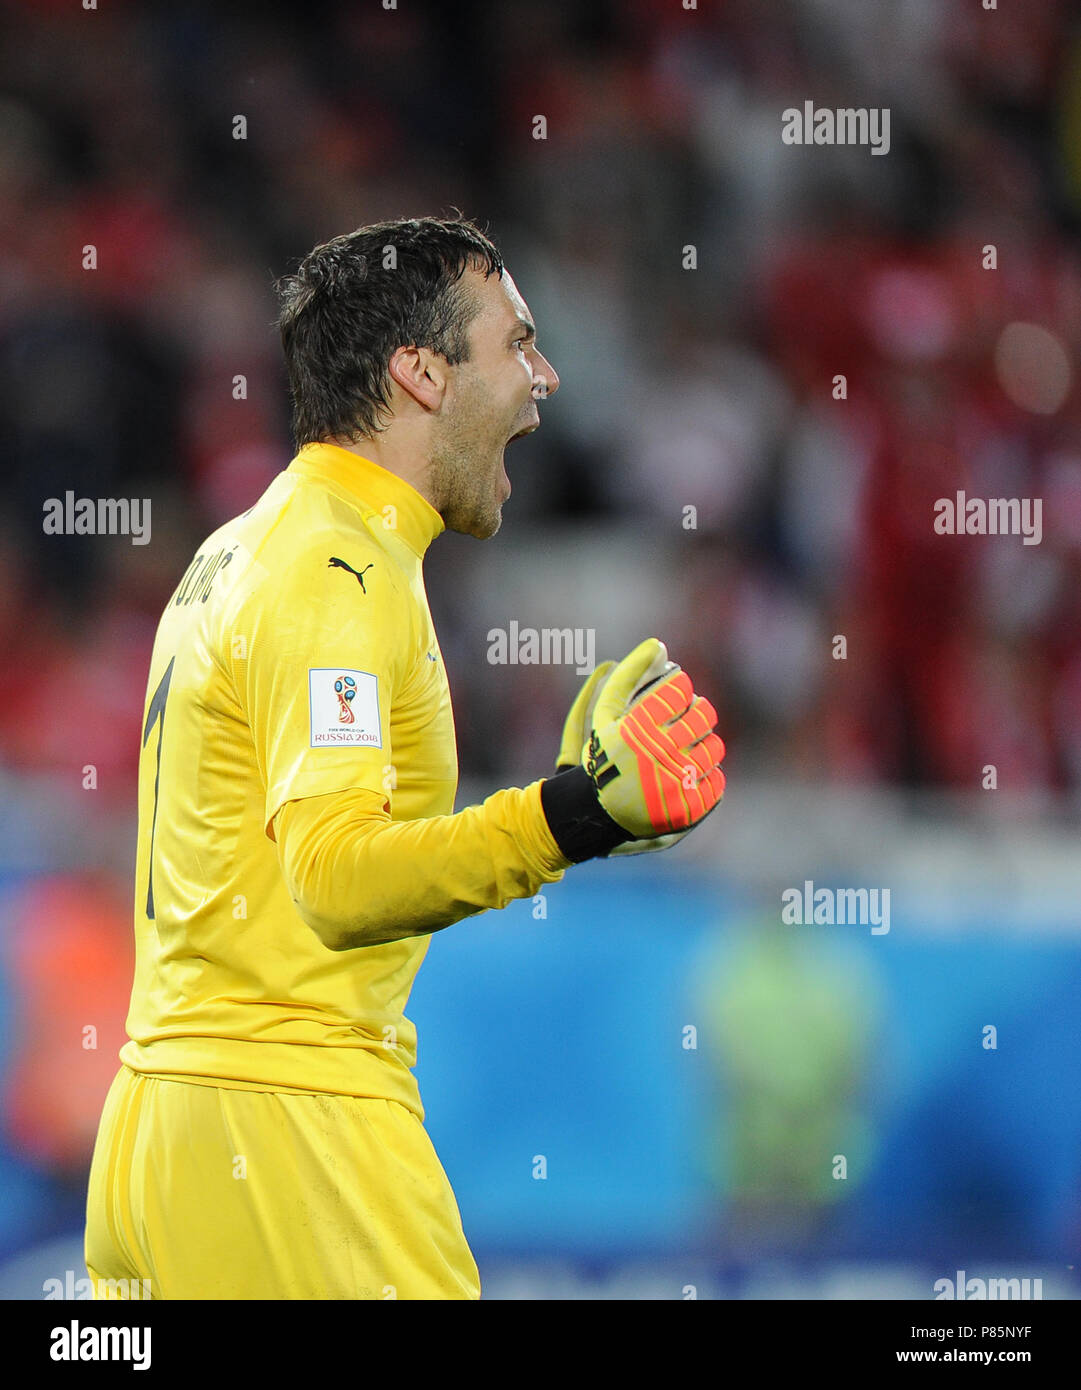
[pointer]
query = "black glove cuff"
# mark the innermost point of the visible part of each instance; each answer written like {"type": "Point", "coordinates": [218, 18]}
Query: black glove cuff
{"type": "Point", "coordinates": [580, 825]}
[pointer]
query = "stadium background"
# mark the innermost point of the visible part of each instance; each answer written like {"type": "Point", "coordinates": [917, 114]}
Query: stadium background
{"type": "Point", "coordinates": [670, 1166]}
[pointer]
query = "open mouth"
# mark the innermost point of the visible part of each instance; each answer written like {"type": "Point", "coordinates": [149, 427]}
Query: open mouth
{"type": "Point", "coordinates": [526, 429]}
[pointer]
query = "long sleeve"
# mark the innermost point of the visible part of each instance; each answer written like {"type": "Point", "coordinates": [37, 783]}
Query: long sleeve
{"type": "Point", "coordinates": [360, 879]}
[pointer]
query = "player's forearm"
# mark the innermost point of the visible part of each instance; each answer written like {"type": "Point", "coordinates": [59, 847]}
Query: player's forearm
{"type": "Point", "coordinates": [360, 879]}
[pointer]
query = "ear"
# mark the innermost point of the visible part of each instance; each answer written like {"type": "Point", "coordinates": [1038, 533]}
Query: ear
{"type": "Point", "coordinates": [421, 374]}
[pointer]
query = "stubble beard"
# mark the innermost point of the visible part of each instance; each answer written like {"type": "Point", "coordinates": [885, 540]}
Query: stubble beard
{"type": "Point", "coordinates": [465, 467]}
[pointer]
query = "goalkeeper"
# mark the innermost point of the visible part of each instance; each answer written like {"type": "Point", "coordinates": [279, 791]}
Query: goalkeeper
{"type": "Point", "coordinates": [264, 1137]}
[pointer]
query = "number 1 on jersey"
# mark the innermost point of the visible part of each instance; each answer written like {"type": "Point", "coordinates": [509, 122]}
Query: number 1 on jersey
{"type": "Point", "coordinates": [153, 714]}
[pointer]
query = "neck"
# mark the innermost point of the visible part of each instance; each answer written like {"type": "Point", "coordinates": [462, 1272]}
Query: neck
{"type": "Point", "coordinates": [406, 458]}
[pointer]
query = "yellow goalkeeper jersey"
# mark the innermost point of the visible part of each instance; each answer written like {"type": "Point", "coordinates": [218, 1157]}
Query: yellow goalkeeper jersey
{"type": "Point", "coordinates": [296, 685]}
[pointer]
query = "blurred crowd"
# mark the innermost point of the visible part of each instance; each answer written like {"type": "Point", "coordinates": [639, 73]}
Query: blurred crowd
{"type": "Point", "coordinates": [706, 379]}
{"type": "Point", "coordinates": [774, 360]}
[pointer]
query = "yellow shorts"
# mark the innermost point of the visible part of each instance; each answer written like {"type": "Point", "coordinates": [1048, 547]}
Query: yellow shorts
{"type": "Point", "coordinates": [215, 1193]}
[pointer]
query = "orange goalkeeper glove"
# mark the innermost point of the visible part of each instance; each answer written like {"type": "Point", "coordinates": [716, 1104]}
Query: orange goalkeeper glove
{"type": "Point", "coordinates": [649, 764]}
{"type": "Point", "coordinates": [576, 732]}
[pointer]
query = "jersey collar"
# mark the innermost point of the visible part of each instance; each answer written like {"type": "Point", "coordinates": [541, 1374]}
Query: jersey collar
{"type": "Point", "coordinates": [418, 522]}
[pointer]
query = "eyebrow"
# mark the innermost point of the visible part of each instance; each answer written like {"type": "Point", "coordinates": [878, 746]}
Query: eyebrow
{"type": "Point", "coordinates": [530, 328]}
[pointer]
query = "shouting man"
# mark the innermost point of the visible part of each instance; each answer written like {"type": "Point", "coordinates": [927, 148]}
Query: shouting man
{"type": "Point", "coordinates": [298, 845]}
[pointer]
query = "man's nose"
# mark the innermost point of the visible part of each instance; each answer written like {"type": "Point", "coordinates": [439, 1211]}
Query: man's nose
{"type": "Point", "coordinates": [545, 377]}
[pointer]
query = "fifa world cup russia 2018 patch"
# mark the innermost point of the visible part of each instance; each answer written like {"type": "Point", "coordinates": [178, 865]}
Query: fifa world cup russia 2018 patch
{"type": "Point", "coordinates": [344, 708]}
